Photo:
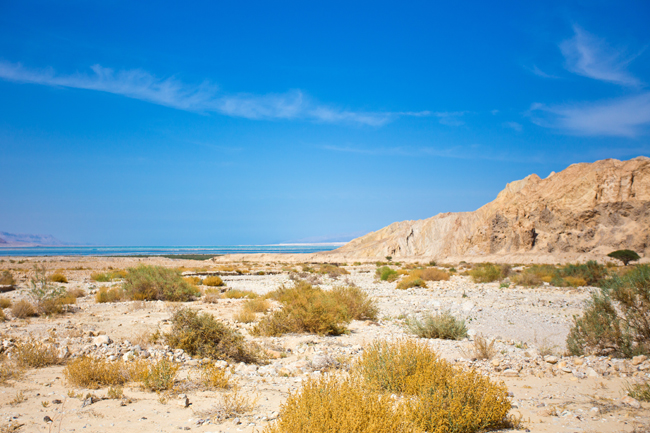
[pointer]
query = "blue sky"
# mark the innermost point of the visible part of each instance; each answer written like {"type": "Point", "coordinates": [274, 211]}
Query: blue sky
{"type": "Point", "coordinates": [163, 123]}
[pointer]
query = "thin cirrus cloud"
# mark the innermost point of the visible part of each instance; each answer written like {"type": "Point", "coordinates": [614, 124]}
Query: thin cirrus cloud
{"type": "Point", "coordinates": [590, 56]}
{"type": "Point", "coordinates": [623, 117]}
{"type": "Point", "coordinates": [203, 98]}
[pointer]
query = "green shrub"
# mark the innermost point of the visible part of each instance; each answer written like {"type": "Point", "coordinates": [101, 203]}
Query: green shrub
{"type": "Point", "coordinates": [485, 273]}
{"type": "Point", "coordinates": [617, 319]}
{"type": "Point", "coordinates": [386, 274]}
{"type": "Point", "coordinates": [625, 256]}
{"type": "Point", "coordinates": [592, 272]}
{"type": "Point", "coordinates": [158, 283]}
{"type": "Point", "coordinates": [106, 277]}
{"type": "Point", "coordinates": [443, 325]}
{"type": "Point", "coordinates": [305, 309]}
{"type": "Point", "coordinates": [200, 334]}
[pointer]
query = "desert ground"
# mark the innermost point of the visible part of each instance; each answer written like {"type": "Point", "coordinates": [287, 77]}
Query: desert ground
{"type": "Point", "coordinates": [550, 392]}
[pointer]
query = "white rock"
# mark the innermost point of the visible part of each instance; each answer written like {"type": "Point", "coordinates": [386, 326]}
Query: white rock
{"type": "Point", "coordinates": [632, 402]}
{"type": "Point", "coordinates": [551, 359]}
{"type": "Point", "coordinates": [102, 339]}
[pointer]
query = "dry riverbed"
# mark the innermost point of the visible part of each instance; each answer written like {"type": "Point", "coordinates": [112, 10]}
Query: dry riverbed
{"type": "Point", "coordinates": [529, 325]}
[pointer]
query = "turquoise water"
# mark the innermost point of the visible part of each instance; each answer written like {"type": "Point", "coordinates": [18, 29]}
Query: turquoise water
{"type": "Point", "coordinates": [130, 251]}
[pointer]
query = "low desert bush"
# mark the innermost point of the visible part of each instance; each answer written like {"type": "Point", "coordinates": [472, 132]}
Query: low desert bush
{"type": "Point", "coordinates": [245, 316]}
{"type": "Point", "coordinates": [5, 303]}
{"type": "Point", "coordinates": [23, 309]}
{"type": "Point", "coordinates": [309, 309]}
{"type": "Point", "coordinates": [485, 273]}
{"type": "Point", "coordinates": [107, 277]}
{"type": "Point", "coordinates": [9, 370]}
{"type": "Point", "coordinates": [153, 283]}
{"type": "Point", "coordinates": [76, 292]}
{"type": "Point", "coordinates": [575, 281]}
{"type": "Point", "coordinates": [340, 404]}
{"type": "Point", "coordinates": [93, 373]}
{"type": "Point", "coordinates": [7, 278]}
{"type": "Point", "coordinates": [385, 273]}
{"type": "Point", "coordinates": [481, 348]}
{"type": "Point", "coordinates": [617, 320]}
{"type": "Point", "coordinates": [240, 294]}
{"type": "Point", "coordinates": [159, 376]}
{"type": "Point", "coordinates": [213, 281]}
{"type": "Point", "coordinates": [592, 272]}
{"type": "Point", "coordinates": [213, 377]}
{"type": "Point", "coordinates": [441, 397]}
{"type": "Point", "coordinates": [333, 271]}
{"type": "Point", "coordinates": [200, 334]}
{"type": "Point", "coordinates": [109, 294]}
{"type": "Point", "coordinates": [358, 304]}
{"type": "Point", "coordinates": [58, 277]}
{"type": "Point", "coordinates": [34, 354]}
{"type": "Point", "coordinates": [2, 316]}
{"type": "Point", "coordinates": [195, 281]}
{"type": "Point", "coordinates": [443, 325]}
{"type": "Point", "coordinates": [639, 391]}
{"type": "Point", "coordinates": [409, 282]}
{"type": "Point", "coordinates": [431, 274]}
{"type": "Point", "coordinates": [528, 279]}
{"type": "Point", "coordinates": [257, 305]}
{"type": "Point", "coordinates": [211, 296]}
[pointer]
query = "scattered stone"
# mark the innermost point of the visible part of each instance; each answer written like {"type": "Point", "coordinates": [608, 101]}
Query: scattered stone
{"type": "Point", "coordinates": [632, 402]}
{"type": "Point", "coordinates": [551, 359]}
{"type": "Point", "coordinates": [102, 339]}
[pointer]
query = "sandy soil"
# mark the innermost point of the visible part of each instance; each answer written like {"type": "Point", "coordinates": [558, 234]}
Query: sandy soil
{"type": "Point", "coordinates": [552, 393]}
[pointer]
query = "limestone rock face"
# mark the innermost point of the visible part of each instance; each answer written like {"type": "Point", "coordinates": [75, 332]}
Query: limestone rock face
{"type": "Point", "coordinates": [585, 211]}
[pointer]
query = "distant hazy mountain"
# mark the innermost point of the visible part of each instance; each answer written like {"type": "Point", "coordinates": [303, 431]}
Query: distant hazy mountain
{"type": "Point", "coordinates": [26, 240]}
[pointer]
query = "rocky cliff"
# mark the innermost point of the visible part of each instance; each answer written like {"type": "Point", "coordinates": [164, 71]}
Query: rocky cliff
{"type": "Point", "coordinates": [583, 212]}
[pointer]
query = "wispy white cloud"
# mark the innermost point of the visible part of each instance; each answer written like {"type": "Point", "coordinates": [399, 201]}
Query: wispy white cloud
{"type": "Point", "coordinates": [624, 117]}
{"type": "Point", "coordinates": [513, 125]}
{"type": "Point", "coordinates": [592, 57]}
{"type": "Point", "coordinates": [202, 98]}
{"type": "Point", "coordinates": [535, 70]}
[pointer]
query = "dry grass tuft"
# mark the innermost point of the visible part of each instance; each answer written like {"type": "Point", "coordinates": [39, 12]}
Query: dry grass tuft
{"type": "Point", "coordinates": [9, 371]}
{"type": "Point", "coordinates": [240, 294]}
{"type": "Point", "coordinates": [232, 404]}
{"type": "Point", "coordinates": [34, 354]}
{"type": "Point", "coordinates": [245, 316]}
{"type": "Point", "coordinates": [481, 348]}
{"type": "Point", "coordinates": [430, 274]}
{"type": "Point", "coordinates": [109, 294]}
{"type": "Point", "coordinates": [257, 305]}
{"type": "Point", "coordinates": [57, 277]}
{"type": "Point", "coordinates": [211, 296]}
{"type": "Point", "coordinates": [7, 278]}
{"type": "Point", "coordinates": [107, 277]}
{"type": "Point", "coordinates": [639, 391]}
{"type": "Point", "coordinates": [5, 303]}
{"type": "Point", "coordinates": [213, 377]}
{"type": "Point", "coordinates": [23, 309]}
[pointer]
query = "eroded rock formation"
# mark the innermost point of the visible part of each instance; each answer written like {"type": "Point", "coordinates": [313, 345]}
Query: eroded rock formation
{"type": "Point", "coordinates": [585, 211]}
